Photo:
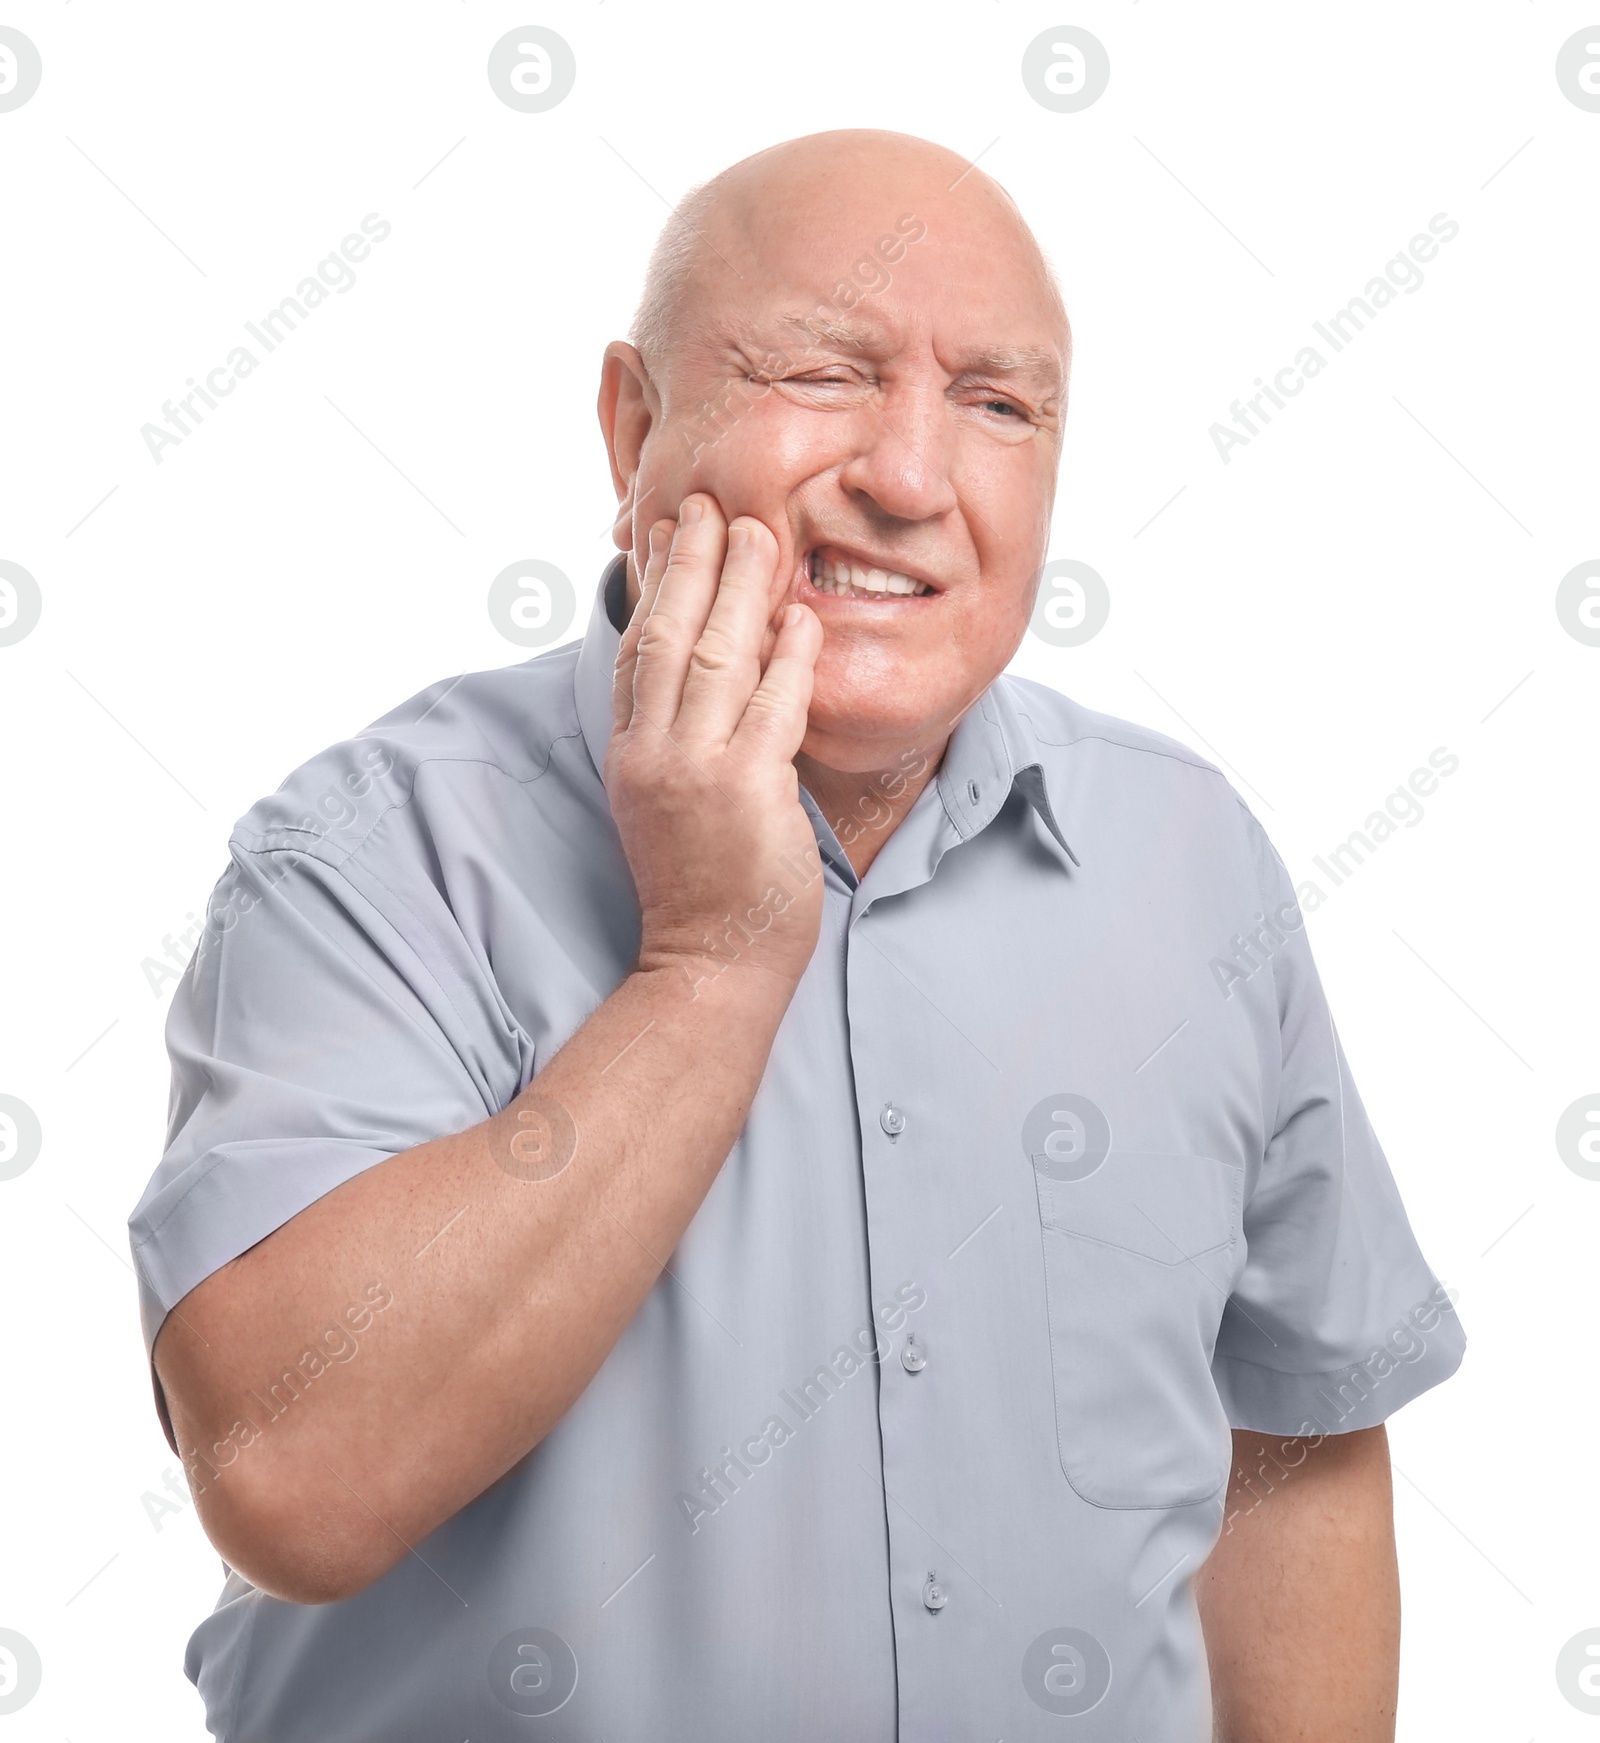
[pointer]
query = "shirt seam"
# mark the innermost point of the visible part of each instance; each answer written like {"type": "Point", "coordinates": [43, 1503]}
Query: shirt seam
{"type": "Point", "coordinates": [1295, 1373]}
{"type": "Point", "coordinates": [214, 1162]}
{"type": "Point", "coordinates": [216, 1157]}
{"type": "Point", "coordinates": [269, 840]}
{"type": "Point", "coordinates": [1140, 749]}
{"type": "Point", "coordinates": [461, 1016]}
{"type": "Point", "coordinates": [339, 872]}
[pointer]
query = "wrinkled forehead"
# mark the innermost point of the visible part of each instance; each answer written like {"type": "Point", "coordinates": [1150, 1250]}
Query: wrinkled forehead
{"type": "Point", "coordinates": [875, 273]}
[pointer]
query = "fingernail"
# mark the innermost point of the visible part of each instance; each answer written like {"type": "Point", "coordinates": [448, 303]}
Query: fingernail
{"type": "Point", "coordinates": [691, 511]}
{"type": "Point", "coordinates": [659, 534]}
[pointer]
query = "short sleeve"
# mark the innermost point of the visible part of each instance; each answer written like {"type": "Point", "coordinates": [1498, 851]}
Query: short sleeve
{"type": "Point", "coordinates": [1336, 1320]}
{"type": "Point", "coordinates": [327, 1022]}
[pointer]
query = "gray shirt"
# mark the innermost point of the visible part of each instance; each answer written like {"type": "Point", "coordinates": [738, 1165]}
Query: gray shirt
{"type": "Point", "coordinates": [1056, 1172]}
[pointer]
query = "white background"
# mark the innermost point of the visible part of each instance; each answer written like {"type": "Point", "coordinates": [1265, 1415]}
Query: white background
{"type": "Point", "coordinates": [1370, 578]}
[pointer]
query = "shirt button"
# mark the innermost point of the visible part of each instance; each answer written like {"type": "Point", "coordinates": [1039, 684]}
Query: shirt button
{"type": "Point", "coordinates": [892, 1120]}
{"type": "Point", "coordinates": [934, 1596]}
{"type": "Point", "coordinates": [913, 1358]}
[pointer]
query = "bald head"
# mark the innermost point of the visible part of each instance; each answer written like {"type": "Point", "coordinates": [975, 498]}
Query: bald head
{"type": "Point", "coordinates": [824, 193]}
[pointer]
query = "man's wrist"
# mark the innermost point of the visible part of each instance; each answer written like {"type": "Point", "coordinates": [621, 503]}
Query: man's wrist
{"type": "Point", "coordinates": [743, 980]}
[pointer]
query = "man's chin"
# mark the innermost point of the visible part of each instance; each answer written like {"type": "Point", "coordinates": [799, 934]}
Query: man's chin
{"type": "Point", "coordinates": [861, 735]}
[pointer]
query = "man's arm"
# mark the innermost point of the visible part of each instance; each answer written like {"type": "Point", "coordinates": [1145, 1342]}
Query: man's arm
{"type": "Point", "coordinates": [509, 1290]}
{"type": "Point", "coordinates": [1300, 1599]}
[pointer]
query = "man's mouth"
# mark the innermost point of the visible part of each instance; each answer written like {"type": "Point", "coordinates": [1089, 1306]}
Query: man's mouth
{"type": "Point", "coordinates": [840, 575]}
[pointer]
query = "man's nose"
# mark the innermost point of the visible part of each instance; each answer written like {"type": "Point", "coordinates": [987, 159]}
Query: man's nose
{"type": "Point", "coordinates": [904, 457]}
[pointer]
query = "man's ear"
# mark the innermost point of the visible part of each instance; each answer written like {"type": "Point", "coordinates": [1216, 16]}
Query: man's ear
{"type": "Point", "coordinates": [626, 414]}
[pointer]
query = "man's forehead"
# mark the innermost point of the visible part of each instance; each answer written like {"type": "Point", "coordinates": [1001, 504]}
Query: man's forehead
{"type": "Point", "coordinates": [858, 244]}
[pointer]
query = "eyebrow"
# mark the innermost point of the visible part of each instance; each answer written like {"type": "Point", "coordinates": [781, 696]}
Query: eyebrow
{"type": "Point", "coordinates": [1038, 362]}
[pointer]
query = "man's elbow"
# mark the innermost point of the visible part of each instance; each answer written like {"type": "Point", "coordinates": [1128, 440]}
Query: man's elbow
{"type": "Point", "coordinates": [300, 1542]}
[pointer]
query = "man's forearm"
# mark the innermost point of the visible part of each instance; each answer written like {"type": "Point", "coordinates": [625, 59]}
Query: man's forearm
{"type": "Point", "coordinates": [1300, 1599]}
{"type": "Point", "coordinates": [500, 1261]}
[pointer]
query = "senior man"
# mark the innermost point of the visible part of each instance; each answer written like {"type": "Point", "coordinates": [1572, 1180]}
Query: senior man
{"type": "Point", "coordinates": [714, 1190]}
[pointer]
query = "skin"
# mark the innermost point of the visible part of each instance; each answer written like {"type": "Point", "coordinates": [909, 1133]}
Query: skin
{"type": "Point", "coordinates": [919, 430]}
{"type": "Point", "coordinates": [1300, 1599]}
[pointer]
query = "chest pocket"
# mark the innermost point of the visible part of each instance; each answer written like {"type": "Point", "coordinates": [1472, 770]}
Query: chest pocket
{"type": "Point", "coordinates": [1139, 1260]}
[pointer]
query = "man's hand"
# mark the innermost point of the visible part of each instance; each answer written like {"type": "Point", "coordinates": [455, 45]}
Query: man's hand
{"type": "Point", "coordinates": [1300, 1599]}
{"type": "Point", "coordinates": [700, 773]}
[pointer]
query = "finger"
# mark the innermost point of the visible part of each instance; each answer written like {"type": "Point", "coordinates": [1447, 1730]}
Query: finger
{"type": "Point", "coordinates": [725, 663]}
{"type": "Point", "coordinates": [775, 719]}
{"type": "Point", "coordinates": [678, 611]}
{"type": "Point", "coordinates": [655, 567]}
{"type": "Point", "coordinates": [658, 543]}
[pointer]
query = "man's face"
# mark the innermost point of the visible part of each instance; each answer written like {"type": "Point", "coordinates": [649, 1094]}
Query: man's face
{"type": "Point", "coordinates": [880, 379]}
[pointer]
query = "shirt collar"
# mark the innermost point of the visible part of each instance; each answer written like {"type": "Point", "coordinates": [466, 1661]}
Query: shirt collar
{"type": "Point", "coordinates": [597, 660]}
{"type": "Point", "coordinates": [991, 750]}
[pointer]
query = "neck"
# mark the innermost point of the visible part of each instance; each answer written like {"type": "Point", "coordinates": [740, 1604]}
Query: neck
{"type": "Point", "coordinates": [864, 808]}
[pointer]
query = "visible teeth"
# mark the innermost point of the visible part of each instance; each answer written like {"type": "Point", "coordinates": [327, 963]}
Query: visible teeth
{"type": "Point", "coordinates": [847, 580]}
